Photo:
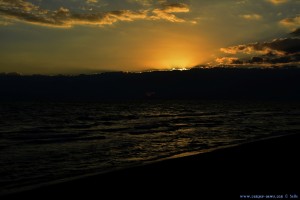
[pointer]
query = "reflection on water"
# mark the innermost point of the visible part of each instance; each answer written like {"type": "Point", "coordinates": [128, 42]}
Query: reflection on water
{"type": "Point", "coordinates": [40, 142]}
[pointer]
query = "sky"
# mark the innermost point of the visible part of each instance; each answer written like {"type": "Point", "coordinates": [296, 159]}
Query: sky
{"type": "Point", "coordinates": [91, 36]}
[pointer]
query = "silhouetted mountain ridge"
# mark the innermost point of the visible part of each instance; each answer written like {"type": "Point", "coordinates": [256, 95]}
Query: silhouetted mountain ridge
{"type": "Point", "coordinates": [215, 83]}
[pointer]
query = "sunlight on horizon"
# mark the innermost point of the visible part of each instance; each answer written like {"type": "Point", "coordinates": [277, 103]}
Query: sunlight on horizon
{"type": "Point", "coordinates": [170, 53]}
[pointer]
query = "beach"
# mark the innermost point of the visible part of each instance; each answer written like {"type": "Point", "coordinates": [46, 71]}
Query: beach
{"type": "Point", "coordinates": [257, 169]}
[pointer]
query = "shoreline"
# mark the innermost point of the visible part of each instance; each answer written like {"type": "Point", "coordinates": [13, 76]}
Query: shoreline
{"type": "Point", "coordinates": [266, 166]}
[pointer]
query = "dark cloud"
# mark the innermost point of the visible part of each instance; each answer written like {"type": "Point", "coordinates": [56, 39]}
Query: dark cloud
{"type": "Point", "coordinates": [256, 59]}
{"type": "Point", "coordinates": [277, 46]}
{"type": "Point", "coordinates": [287, 45]}
{"type": "Point", "coordinates": [17, 5]}
{"type": "Point", "coordinates": [282, 50]}
{"type": "Point", "coordinates": [296, 32]}
{"type": "Point", "coordinates": [24, 11]}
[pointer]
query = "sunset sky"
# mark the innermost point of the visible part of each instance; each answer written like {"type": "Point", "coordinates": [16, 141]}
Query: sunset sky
{"type": "Point", "coordinates": [90, 36]}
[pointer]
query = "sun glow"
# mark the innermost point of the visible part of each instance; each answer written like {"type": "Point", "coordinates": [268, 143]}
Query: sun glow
{"type": "Point", "coordinates": [176, 52]}
{"type": "Point", "coordinates": [174, 58]}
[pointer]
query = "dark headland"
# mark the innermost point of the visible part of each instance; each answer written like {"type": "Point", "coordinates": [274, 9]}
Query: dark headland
{"type": "Point", "coordinates": [266, 167]}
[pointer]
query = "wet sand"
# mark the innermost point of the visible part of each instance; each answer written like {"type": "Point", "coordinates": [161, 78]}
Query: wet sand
{"type": "Point", "coordinates": [266, 167]}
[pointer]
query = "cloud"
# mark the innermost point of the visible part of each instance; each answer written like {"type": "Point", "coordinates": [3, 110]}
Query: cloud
{"type": "Point", "coordinates": [246, 49]}
{"type": "Point", "coordinates": [101, 19]}
{"type": "Point", "coordinates": [282, 50]}
{"type": "Point", "coordinates": [17, 5]}
{"type": "Point", "coordinates": [175, 7]}
{"type": "Point", "coordinates": [251, 17]}
{"type": "Point", "coordinates": [296, 33]}
{"type": "Point", "coordinates": [292, 22]}
{"type": "Point", "coordinates": [24, 11]}
{"type": "Point", "coordinates": [277, 46]}
{"type": "Point", "coordinates": [226, 60]}
{"type": "Point", "coordinates": [64, 18]}
{"type": "Point", "coordinates": [167, 10]}
{"type": "Point", "coordinates": [276, 2]}
{"type": "Point", "coordinates": [92, 1]}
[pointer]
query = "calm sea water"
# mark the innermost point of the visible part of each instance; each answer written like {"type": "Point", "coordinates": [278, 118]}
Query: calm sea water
{"type": "Point", "coordinates": [43, 142]}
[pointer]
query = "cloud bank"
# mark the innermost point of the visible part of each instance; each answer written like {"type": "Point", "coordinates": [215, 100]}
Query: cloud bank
{"type": "Point", "coordinates": [277, 51]}
{"type": "Point", "coordinates": [24, 11]}
{"type": "Point", "coordinates": [292, 22]}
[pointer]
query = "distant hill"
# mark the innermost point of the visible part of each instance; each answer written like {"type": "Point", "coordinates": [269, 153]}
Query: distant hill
{"type": "Point", "coordinates": [216, 83]}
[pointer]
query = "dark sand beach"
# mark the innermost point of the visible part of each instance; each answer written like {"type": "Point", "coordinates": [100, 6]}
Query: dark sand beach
{"type": "Point", "coordinates": [266, 167]}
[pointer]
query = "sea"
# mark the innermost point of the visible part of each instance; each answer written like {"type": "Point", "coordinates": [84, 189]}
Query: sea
{"type": "Point", "coordinates": [44, 142]}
